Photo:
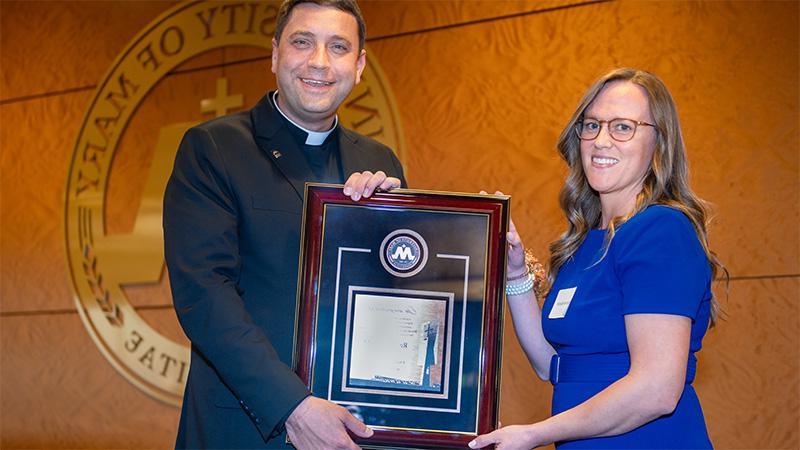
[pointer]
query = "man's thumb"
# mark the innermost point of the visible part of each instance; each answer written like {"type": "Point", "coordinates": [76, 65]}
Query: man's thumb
{"type": "Point", "coordinates": [357, 427]}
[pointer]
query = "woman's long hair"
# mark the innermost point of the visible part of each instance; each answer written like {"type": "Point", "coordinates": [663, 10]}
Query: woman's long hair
{"type": "Point", "coordinates": [666, 183]}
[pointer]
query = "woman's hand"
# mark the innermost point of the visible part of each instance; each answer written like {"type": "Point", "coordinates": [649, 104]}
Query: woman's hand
{"type": "Point", "coordinates": [512, 437]}
{"type": "Point", "coordinates": [516, 250]}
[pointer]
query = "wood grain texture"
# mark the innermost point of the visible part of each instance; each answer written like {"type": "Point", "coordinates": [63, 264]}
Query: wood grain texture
{"type": "Point", "coordinates": [386, 19]}
{"type": "Point", "coordinates": [59, 392]}
{"type": "Point", "coordinates": [37, 139]}
{"type": "Point", "coordinates": [748, 368]}
{"type": "Point", "coordinates": [55, 45]}
{"type": "Point", "coordinates": [74, 43]}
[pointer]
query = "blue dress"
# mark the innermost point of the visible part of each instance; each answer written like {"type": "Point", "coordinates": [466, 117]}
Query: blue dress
{"type": "Point", "coordinates": [655, 264]}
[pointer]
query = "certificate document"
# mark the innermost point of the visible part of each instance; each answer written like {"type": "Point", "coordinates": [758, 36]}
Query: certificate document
{"type": "Point", "coordinates": [397, 341]}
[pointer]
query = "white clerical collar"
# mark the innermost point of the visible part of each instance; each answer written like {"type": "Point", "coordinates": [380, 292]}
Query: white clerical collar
{"type": "Point", "coordinates": [314, 137]}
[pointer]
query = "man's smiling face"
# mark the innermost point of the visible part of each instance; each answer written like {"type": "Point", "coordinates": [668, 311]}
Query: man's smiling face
{"type": "Point", "coordinates": [317, 62]}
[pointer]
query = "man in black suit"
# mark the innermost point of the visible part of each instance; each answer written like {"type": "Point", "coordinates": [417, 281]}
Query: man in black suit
{"type": "Point", "coordinates": [232, 218]}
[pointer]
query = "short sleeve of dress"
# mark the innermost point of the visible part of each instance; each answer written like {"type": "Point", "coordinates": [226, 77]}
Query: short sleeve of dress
{"type": "Point", "coordinates": [661, 264]}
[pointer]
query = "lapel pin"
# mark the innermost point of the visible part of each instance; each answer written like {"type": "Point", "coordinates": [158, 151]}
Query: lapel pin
{"type": "Point", "coordinates": [276, 154]}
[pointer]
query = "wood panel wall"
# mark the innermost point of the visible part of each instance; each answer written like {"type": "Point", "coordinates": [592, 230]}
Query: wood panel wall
{"type": "Point", "coordinates": [483, 89]}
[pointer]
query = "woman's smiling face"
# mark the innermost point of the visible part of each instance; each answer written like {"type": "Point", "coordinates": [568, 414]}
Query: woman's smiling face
{"type": "Point", "coordinates": [616, 170]}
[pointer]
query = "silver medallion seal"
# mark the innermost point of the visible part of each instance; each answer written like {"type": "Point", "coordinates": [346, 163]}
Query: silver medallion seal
{"type": "Point", "coordinates": [404, 253]}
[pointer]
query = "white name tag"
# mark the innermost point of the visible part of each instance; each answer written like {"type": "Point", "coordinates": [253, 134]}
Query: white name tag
{"type": "Point", "coordinates": [563, 299]}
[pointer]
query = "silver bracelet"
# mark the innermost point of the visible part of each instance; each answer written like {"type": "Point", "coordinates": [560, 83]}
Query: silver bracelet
{"type": "Point", "coordinates": [520, 288]}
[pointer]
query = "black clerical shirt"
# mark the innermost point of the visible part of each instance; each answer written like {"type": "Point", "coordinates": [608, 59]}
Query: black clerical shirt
{"type": "Point", "coordinates": [324, 160]}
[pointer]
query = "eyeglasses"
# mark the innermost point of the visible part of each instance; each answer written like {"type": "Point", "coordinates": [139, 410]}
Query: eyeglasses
{"type": "Point", "coordinates": [621, 130]}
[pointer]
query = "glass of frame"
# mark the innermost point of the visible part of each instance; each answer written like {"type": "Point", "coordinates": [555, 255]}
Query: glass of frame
{"type": "Point", "coordinates": [400, 311]}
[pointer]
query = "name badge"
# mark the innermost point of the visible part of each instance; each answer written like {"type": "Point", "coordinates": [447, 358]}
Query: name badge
{"type": "Point", "coordinates": [563, 299]}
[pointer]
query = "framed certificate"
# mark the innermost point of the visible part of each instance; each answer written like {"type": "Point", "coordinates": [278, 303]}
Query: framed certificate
{"type": "Point", "coordinates": [400, 311]}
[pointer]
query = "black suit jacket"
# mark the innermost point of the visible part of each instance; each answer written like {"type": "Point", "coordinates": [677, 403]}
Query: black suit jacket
{"type": "Point", "coordinates": [232, 219]}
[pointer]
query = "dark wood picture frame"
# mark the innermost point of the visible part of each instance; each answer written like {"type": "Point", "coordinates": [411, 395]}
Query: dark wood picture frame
{"type": "Point", "coordinates": [318, 232]}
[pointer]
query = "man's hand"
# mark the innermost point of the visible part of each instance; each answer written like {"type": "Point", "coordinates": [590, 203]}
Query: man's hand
{"type": "Point", "coordinates": [363, 184]}
{"type": "Point", "coordinates": [319, 424]}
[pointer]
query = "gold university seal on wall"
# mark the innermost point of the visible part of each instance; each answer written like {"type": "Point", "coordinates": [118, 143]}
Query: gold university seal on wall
{"type": "Point", "coordinates": [173, 75]}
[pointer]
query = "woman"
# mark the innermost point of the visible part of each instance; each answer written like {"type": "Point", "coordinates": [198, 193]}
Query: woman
{"type": "Point", "coordinates": [630, 281]}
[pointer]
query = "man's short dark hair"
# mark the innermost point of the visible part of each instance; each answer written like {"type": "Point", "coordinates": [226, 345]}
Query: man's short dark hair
{"type": "Point", "coordinates": [348, 6]}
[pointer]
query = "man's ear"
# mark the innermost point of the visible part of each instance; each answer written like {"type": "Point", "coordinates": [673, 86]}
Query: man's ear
{"type": "Point", "coordinates": [274, 55]}
{"type": "Point", "coordinates": [360, 64]}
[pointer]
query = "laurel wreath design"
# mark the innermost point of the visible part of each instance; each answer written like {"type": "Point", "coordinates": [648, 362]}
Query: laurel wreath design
{"type": "Point", "coordinates": [101, 295]}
